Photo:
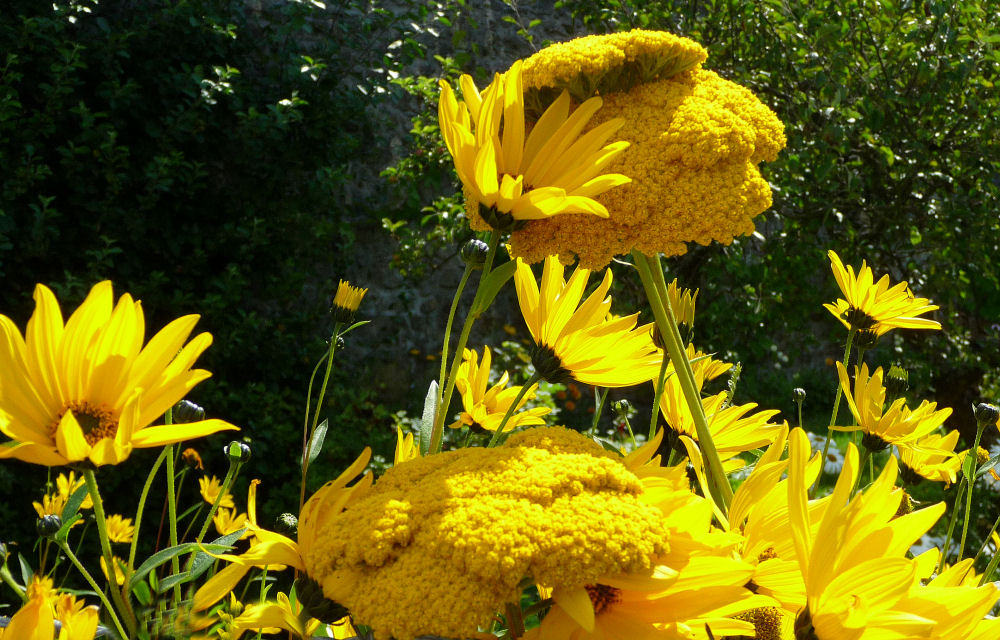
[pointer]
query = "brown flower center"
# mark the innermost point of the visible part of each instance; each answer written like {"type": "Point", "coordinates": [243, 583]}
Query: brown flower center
{"type": "Point", "coordinates": [97, 422]}
{"type": "Point", "coordinates": [602, 597]}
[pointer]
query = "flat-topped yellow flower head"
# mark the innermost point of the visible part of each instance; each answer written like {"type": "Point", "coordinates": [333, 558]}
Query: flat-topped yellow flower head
{"type": "Point", "coordinates": [873, 306]}
{"type": "Point", "coordinates": [483, 405]}
{"type": "Point", "coordinates": [512, 172]}
{"type": "Point", "coordinates": [87, 389]}
{"type": "Point", "coordinates": [579, 340]}
{"type": "Point", "coordinates": [695, 142]}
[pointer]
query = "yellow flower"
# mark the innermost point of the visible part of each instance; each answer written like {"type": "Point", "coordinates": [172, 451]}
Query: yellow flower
{"type": "Point", "coordinates": [192, 459]}
{"type": "Point", "coordinates": [228, 521]}
{"type": "Point", "coordinates": [210, 488]}
{"type": "Point", "coordinates": [118, 563]}
{"type": "Point", "coordinates": [424, 553]}
{"type": "Point", "coordinates": [67, 485]}
{"type": "Point", "coordinates": [87, 389]}
{"type": "Point", "coordinates": [273, 616]}
{"type": "Point", "coordinates": [575, 340]}
{"type": "Point", "coordinates": [696, 140]}
{"type": "Point", "coordinates": [35, 620]}
{"type": "Point", "coordinates": [51, 505]}
{"type": "Point", "coordinates": [120, 529]}
{"type": "Point", "coordinates": [406, 448]}
{"type": "Point", "coordinates": [876, 306]}
{"type": "Point", "coordinates": [346, 301]}
{"type": "Point", "coordinates": [485, 406]}
{"type": "Point", "coordinates": [551, 170]}
{"type": "Point", "coordinates": [932, 457]}
{"type": "Point", "coordinates": [896, 425]}
{"type": "Point", "coordinates": [683, 302]}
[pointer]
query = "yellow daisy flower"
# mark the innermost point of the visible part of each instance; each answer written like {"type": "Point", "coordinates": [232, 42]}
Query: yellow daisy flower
{"type": "Point", "coordinates": [485, 406]}
{"type": "Point", "coordinates": [406, 448]}
{"type": "Point", "coordinates": [67, 484]}
{"type": "Point", "coordinates": [228, 521]}
{"type": "Point", "coordinates": [896, 425]}
{"type": "Point", "coordinates": [35, 620]}
{"type": "Point", "coordinates": [695, 142]}
{"type": "Point", "coordinates": [346, 301]}
{"type": "Point", "coordinates": [210, 488]}
{"type": "Point", "coordinates": [876, 306]}
{"type": "Point", "coordinates": [552, 170]}
{"type": "Point", "coordinates": [932, 457]}
{"type": "Point", "coordinates": [119, 529]}
{"type": "Point", "coordinates": [87, 389]}
{"type": "Point", "coordinates": [51, 505]}
{"type": "Point", "coordinates": [577, 341]}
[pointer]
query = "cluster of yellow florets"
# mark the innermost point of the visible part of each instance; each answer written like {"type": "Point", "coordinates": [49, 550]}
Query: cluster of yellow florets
{"type": "Point", "coordinates": [695, 142]}
{"type": "Point", "coordinates": [442, 542]}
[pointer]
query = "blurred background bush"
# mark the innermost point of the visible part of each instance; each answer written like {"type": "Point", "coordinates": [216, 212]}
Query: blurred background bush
{"type": "Point", "coordinates": [234, 159]}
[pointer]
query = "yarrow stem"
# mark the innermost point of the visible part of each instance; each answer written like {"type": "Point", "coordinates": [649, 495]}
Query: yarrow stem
{"type": "Point", "coordinates": [437, 432]}
{"type": "Point", "coordinates": [836, 409]}
{"type": "Point", "coordinates": [535, 377]}
{"type": "Point", "coordinates": [102, 534]}
{"type": "Point", "coordinates": [651, 274]}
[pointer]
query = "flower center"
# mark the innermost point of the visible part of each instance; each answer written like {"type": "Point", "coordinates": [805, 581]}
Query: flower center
{"type": "Point", "coordinates": [602, 597]}
{"type": "Point", "coordinates": [548, 365]}
{"type": "Point", "coordinates": [97, 422]}
{"type": "Point", "coordinates": [858, 319]}
{"type": "Point", "coordinates": [766, 622]}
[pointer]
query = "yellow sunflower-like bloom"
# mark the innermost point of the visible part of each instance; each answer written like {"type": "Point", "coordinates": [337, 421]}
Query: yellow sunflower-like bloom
{"type": "Point", "coordinates": [346, 301]}
{"type": "Point", "coordinates": [68, 484]}
{"type": "Point", "coordinates": [425, 553]}
{"type": "Point", "coordinates": [578, 341]}
{"type": "Point", "coordinates": [87, 389]}
{"type": "Point", "coordinates": [875, 306]}
{"type": "Point", "coordinates": [227, 521]}
{"type": "Point", "coordinates": [933, 457]}
{"type": "Point", "coordinates": [120, 529]}
{"type": "Point", "coordinates": [35, 620]}
{"type": "Point", "coordinates": [209, 487]}
{"type": "Point", "coordinates": [485, 406]}
{"type": "Point", "coordinates": [895, 425]}
{"type": "Point", "coordinates": [696, 140]}
{"type": "Point", "coordinates": [516, 175]}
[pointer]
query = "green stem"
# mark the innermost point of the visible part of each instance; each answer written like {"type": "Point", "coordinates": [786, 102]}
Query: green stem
{"type": "Point", "coordinates": [653, 282]}
{"type": "Point", "coordinates": [991, 567]}
{"type": "Point", "coordinates": [102, 534]}
{"type": "Point", "coordinates": [97, 589]}
{"type": "Point", "coordinates": [661, 381]}
{"type": "Point", "coordinates": [973, 453]}
{"type": "Point", "coordinates": [10, 582]}
{"type": "Point", "coordinates": [319, 409]}
{"type": "Point", "coordinates": [599, 409]}
{"type": "Point", "coordinates": [175, 564]}
{"type": "Point", "coordinates": [512, 408]}
{"type": "Point", "coordinates": [447, 331]}
{"type": "Point", "coordinates": [865, 459]}
{"type": "Point", "coordinates": [142, 506]}
{"type": "Point", "coordinates": [982, 548]}
{"type": "Point", "coordinates": [836, 409]}
{"type": "Point", "coordinates": [437, 431]}
{"type": "Point", "coordinates": [951, 524]}
{"type": "Point", "coordinates": [230, 476]}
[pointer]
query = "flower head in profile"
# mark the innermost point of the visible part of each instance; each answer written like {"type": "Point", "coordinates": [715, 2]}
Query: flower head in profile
{"type": "Point", "coordinates": [578, 340]}
{"type": "Point", "coordinates": [346, 301]}
{"type": "Point", "coordinates": [511, 174]}
{"type": "Point", "coordinates": [69, 483]}
{"type": "Point", "coordinates": [695, 138]}
{"type": "Point", "coordinates": [87, 389]}
{"type": "Point", "coordinates": [120, 529]}
{"type": "Point", "coordinates": [896, 424]}
{"type": "Point", "coordinates": [485, 405]}
{"type": "Point", "coordinates": [873, 306]}
{"type": "Point", "coordinates": [933, 457]}
{"type": "Point", "coordinates": [210, 487]}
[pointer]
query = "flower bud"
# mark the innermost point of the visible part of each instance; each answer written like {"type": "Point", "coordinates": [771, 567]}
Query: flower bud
{"type": "Point", "coordinates": [237, 451]}
{"type": "Point", "coordinates": [287, 525]}
{"type": "Point", "coordinates": [621, 408]}
{"type": "Point", "coordinates": [346, 302]}
{"type": "Point", "coordinates": [474, 253]}
{"type": "Point", "coordinates": [986, 413]}
{"type": "Point", "coordinates": [798, 394]}
{"type": "Point", "coordinates": [48, 525]}
{"type": "Point", "coordinates": [897, 382]}
{"type": "Point", "coordinates": [186, 411]}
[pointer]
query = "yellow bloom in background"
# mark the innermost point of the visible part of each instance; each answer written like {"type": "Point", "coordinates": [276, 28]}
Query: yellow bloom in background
{"type": "Point", "coordinates": [210, 488]}
{"type": "Point", "coordinates": [119, 529]}
{"type": "Point", "coordinates": [87, 389]}
{"type": "Point", "coordinates": [51, 505]}
{"type": "Point", "coordinates": [346, 301]}
{"type": "Point", "coordinates": [682, 301]}
{"type": "Point", "coordinates": [67, 485]}
{"type": "Point", "coordinates": [228, 521]}
{"type": "Point", "coordinates": [876, 306]}
{"type": "Point", "coordinates": [883, 426]}
{"type": "Point", "coordinates": [510, 174]}
{"type": "Point", "coordinates": [119, 565]}
{"type": "Point", "coordinates": [695, 143]}
{"type": "Point", "coordinates": [406, 448]}
{"type": "Point", "coordinates": [577, 341]}
{"type": "Point", "coordinates": [932, 457]}
{"type": "Point", "coordinates": [423, 552]}
{"type": "Point", "coordinates": [485, 405]}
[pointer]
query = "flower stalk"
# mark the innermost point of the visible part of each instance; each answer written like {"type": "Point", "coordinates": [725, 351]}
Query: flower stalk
{"type": "Point", "coordinates": [102, 534]}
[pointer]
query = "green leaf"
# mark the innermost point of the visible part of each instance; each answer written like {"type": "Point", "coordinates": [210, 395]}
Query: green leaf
{"type": "Point", "coordinates": [143, 594]}
{"type": "Point", "coordinates": [427, 419]}
{"type": "Point", "coordinates": [26, 570]}
{"type": "Point", "coordinates": [316, 442]}
{"type": "Point", "coordinates": [968, 466]}
{"type": "Point", "coordinates": [491, 286]}
{"type": "Point", "coordinates": [989, 464]}
{"type": "Point", "coordinates": [74, 502]}
{"type": "Point", "coordinates": [63, 532]}
{"type": "Point", "coordinates": [608, 446]}
{"type": "Point", "coordinates": [165, 555]}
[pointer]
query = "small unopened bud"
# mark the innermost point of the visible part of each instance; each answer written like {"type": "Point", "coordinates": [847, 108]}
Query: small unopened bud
{"type": "Point", "coordinates": [237, 451]}
{"type": "Point", "coordinates": [186, 411]}
{"type": "Point", "coordinates": [48, 525]}
{"type": "Point", "coordinates": [287, 525]}
{"type": "Point", "coordinates": [474, 253]}
{"type": "Point", "coordinates": [986, 413]}
{"type": "Point", "coordinates": [897, 382]}
{"type": "Point", "coordinates": [798, 394]}
{"type": "Point", "coordinates": [621, 408]}
{"type": "Point", "coordinates": [346, 302]}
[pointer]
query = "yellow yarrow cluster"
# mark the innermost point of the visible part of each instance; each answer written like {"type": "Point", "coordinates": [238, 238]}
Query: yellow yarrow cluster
{"type": "Point", "coordinates": [695, 142]}
{"type": "Point", "coordinates": [442, 542]}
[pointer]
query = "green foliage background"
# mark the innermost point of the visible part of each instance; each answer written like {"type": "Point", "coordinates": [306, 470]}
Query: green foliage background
{"type": "Point", "coordinates": [233, 159]}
